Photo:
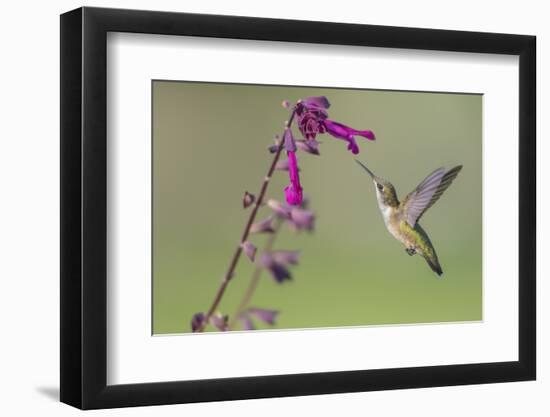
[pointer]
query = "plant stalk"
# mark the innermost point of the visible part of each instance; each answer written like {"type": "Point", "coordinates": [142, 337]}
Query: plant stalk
{"type": "Point", "coordinates": [238, 251]}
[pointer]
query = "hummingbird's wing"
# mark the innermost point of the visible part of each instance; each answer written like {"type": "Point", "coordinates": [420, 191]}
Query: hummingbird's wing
{"type": "Point", "coordinates": [427, 193]}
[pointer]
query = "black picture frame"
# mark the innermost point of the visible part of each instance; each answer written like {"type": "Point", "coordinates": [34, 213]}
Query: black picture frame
{"type": "Point", "coordinates": [84, 207]}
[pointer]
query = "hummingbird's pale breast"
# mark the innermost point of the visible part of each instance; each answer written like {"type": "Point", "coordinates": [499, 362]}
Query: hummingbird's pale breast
{"type": "Point", "coordinates": [390, 216]}
{"type": "Point", "coordinates": [385, 209]}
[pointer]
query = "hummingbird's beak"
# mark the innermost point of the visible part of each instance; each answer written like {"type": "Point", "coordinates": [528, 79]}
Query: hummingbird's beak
{"type": "Point", "coordinates": [366, 169]}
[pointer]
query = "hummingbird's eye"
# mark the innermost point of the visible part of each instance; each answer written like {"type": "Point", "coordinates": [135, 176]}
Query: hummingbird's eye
{"type": "Point", "coordinates": [380, 186]}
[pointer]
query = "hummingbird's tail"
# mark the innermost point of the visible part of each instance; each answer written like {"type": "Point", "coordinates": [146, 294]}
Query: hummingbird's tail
{"type": "Point", "coordinates": [427, 250]}
{"type": "Point", "coordinates": [433, 262]}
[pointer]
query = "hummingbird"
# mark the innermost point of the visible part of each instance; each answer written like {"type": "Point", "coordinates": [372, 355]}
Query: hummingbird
{"type": "Point", "coordinates": [401, 218]}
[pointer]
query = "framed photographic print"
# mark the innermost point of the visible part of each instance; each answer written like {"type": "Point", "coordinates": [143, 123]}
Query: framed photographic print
{"type": "Point", "coordinates": [257, 208]}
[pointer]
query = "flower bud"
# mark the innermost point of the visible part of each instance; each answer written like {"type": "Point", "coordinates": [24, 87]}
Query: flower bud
{"type": "Point", "coordinates": [197, 321]}
{"type": "Point", "coordinates": [248, 199]}
{"type": "Point", "coordinates": [249, 249]}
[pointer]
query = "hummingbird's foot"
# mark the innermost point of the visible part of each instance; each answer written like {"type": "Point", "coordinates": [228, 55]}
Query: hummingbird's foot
{"type": "Point", "coordinates": [410, 251]}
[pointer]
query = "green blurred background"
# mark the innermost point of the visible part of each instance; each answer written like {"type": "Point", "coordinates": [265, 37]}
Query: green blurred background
{"type": "Point", "coordinates": [210, 145]}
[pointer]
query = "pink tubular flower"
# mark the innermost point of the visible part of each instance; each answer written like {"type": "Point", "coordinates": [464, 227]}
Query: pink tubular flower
{"type": "Point", "coordinates": [293, 192]}
{"type": "Point", "coordinates": [340, 131]}
{"type": "Point", "coordinates": [312, 119]}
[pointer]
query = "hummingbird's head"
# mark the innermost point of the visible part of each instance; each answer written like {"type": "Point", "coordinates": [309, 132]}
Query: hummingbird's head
{"type": "Point", "coordinates": [385, 193]}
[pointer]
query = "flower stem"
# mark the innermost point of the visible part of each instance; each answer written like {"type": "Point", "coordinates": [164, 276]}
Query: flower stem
{"type": "Point", "coordinates": [238, 251]}
{"type": "Point", "coordinates": [255, 275]}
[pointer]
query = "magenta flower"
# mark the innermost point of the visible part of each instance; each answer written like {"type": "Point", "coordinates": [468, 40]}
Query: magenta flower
{"type": "Point", "coordinates": [340, 131]}
{"type": "Point", "coordinates": [293, 192]}
{"type": "Point", "coordinates": [313, 120]}
{"type": "Point", "coordinates": [310, 120]}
